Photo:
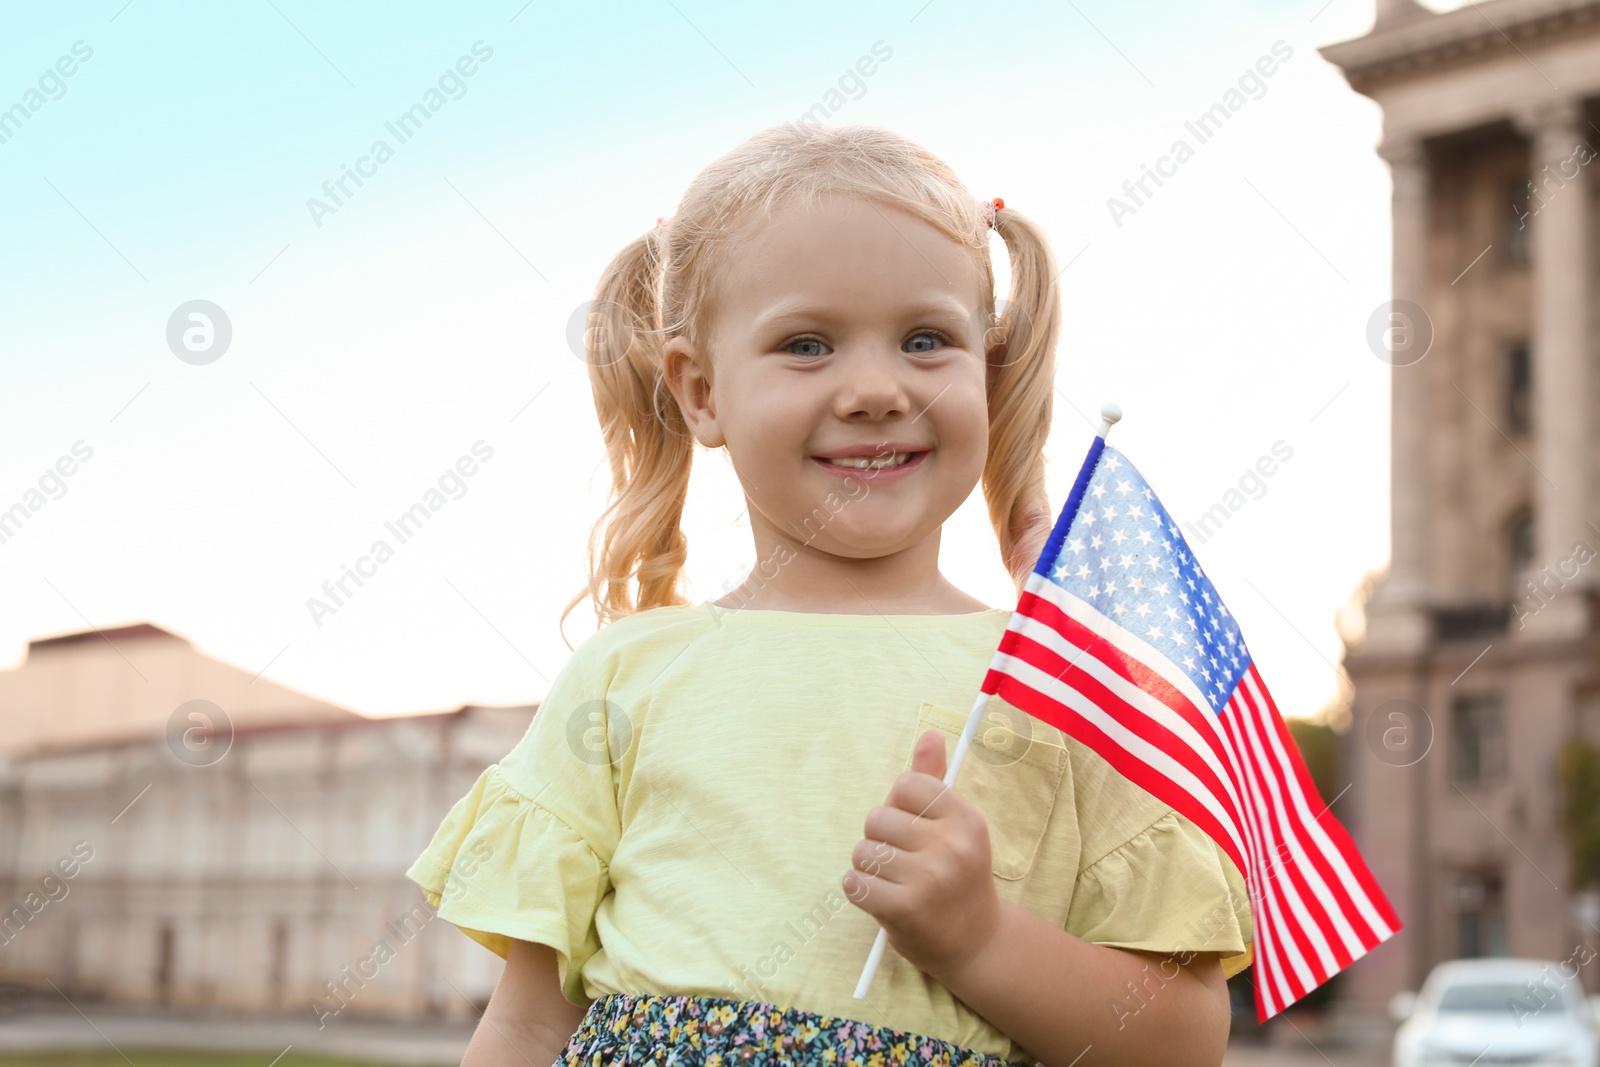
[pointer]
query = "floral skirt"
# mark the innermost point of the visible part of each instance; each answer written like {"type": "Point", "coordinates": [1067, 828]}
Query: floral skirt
{"type": "Point", "coordinates": [653, 1030]}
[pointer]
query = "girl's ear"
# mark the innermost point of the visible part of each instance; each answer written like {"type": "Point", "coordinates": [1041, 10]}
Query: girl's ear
{"type": "Point", "coordinates": [994, 358]}
{"type": "Point", "coordinates": [995, 348]}
{"type": "Point", "coordinates": [685, 377]}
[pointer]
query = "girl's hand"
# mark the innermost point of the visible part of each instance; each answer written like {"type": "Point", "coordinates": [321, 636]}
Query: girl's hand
{"type": "Point", "coordinates": [923, 869]}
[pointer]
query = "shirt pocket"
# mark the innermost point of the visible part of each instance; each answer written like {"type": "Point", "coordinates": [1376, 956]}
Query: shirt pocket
{"type": "Point", "coordinates": [1010, 774]}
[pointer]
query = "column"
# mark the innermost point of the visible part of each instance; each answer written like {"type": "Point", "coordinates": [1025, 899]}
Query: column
{"type": "Point", "coordinates": [1405, 589]}
{"type": "Point", "coordinates": [1559, 221]}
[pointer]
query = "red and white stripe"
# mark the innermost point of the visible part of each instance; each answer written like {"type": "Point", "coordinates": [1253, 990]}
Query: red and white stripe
{"type": "Point", "coordinates": [1238, 776]}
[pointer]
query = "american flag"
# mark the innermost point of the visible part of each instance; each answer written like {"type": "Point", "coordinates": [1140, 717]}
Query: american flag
{"type": "Point", "coordinates": [1120, 641]}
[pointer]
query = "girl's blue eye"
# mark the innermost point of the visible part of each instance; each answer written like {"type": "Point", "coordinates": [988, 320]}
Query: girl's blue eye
{"type": "Point", "coordinates": [935, 334]}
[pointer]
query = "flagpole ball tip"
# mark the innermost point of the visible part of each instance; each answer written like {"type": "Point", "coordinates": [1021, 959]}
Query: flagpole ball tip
{"type": "Point", "coordinates": [1111, 412]}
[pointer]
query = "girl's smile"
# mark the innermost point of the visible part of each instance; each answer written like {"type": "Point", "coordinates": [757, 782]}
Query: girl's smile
{"type": "Point", "coordinates": [874, 466]}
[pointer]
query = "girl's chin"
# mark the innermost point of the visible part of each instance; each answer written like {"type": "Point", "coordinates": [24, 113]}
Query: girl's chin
{"type": "Point", "coordinates": [860, 542]}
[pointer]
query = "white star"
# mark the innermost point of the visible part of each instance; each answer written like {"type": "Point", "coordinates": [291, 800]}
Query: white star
{"type": "Point", "coordinates": [1088, 516]}
{"type": "Point", "coordinates": [1137, 585]}
{"type": "Point", "coordinates": [1095, 542]}
{"type": "Point", "coordinates": [1127, 560]}
{"type": "Point", "coordinates": [1083, 570]}
{"type": "Point", "coordinates": [1161, 587]}
{"type": "Point", "coordinates": [1098, 490]}
{"type": "Point", "coordinates": [1105, 563]}
{"type": "Point", "coordinates": [1124, 486]}
{"type": "Point", "coordinates": [1171, 613]}
{"type": "Point", "coordinates": [1117, 537]}
{"type": "Point", "coordinates": [1120, 608]}
{"type": "Point", "coordinates": [1155, 631]}
{"type": "Point", "coordinates": [1137, 512]}
{"type": "Point", "coordinates": [1110, 512]}
{"type": "Point", "coordinates": [1144, 536]}
{"type": "Point", "coordinates": [1113, 464]}
{"type": "Point", "coordinates": [1143, 609]}
{"type": "Point", "coordinates": [1111, 587]}
{"type": "Point", "coordinates": [1075, 544]}
{"type": "Point", "coordinates": [1188, 661]}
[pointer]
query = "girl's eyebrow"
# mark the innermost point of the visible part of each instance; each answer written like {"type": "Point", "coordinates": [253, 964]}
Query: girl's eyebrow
{"type": "Point", "coordinates": [792, 310]}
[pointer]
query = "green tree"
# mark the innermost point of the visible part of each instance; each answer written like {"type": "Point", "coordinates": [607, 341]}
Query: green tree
{"type": "Point", "coordinates": [1319, 747]}
{"type": "Point", "coordinates": [1578, 772]}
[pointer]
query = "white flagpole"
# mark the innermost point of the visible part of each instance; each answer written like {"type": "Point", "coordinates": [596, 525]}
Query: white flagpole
{"type": "Point", "coordinates": [1109, 415]}
{"type": "Point", "coordinates": [871, 969]}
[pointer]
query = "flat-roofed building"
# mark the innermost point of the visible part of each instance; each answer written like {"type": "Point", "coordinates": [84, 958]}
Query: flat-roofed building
{"type": "Point", "coordinates": [175, 831]}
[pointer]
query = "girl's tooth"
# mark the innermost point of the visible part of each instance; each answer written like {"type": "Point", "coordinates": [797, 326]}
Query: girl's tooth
{"type": "Point", "coordinates": [866, 463]}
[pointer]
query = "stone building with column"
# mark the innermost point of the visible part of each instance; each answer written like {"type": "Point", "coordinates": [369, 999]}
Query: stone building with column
{"type": "Point", "coordinates": [1479, 651]}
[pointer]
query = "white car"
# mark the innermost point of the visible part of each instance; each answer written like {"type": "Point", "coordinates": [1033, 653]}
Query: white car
{"type": "Point", "coordinates": [1494, 1011]}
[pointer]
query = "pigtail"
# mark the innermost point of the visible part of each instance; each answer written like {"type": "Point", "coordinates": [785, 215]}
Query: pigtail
{"type": "Point", "coordinates": [1021, 385]}
{"type": "Point", "coordinates": [648, 442]}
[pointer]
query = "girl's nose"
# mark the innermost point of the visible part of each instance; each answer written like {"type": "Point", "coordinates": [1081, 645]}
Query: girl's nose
{"type": "Point", "coordinates": [873, 386]}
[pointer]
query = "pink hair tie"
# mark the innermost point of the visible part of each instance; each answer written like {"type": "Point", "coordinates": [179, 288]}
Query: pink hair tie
{"type": "Point", "coordinates": [990, 207]}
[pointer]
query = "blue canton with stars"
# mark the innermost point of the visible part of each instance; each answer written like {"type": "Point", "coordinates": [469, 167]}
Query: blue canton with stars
{"type": "Point", "coordinates": [1123, 554]}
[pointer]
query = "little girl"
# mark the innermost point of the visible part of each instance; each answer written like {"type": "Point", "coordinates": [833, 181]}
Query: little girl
{"type": "Point", "coordinates": [687, 858]}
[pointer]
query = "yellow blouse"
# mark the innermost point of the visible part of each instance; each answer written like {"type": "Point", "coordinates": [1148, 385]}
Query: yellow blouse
{"type": "Point", "coordinates": [681, 810]}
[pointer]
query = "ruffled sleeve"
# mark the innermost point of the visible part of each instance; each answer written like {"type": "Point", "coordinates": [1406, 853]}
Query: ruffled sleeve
{"type": "Point", "coordinates": [526, 853]}
{"type": "Point", "coordinates": [502, 867]}
{"type": "Point", "coordinates": [1169, 888]}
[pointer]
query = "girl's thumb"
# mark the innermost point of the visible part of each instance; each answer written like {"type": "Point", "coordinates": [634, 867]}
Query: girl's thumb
{"type": "Point", "coordinates": [929, 755]}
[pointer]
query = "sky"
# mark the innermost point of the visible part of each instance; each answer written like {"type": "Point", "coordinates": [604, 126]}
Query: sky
{"type": "Point", "coordinates": [368, 346]}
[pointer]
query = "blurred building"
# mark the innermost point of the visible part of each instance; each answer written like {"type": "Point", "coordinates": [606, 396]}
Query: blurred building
{"type": "Point", "coordinates": [176, 832]}
{"type": "Point", "coordinates": [1481, 642]}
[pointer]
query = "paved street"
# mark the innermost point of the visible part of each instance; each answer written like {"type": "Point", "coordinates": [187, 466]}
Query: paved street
{"type": "Point", "coordinates": [418, 1045]}
{"type": "Point", "coordinates": [1302, 1054]}
{"type": "Point", "coordinates": [375, 1042]}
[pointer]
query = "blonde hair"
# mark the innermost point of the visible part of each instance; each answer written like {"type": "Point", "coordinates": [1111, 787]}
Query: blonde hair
{"type": "Point", "coordinates": [660, 286]}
